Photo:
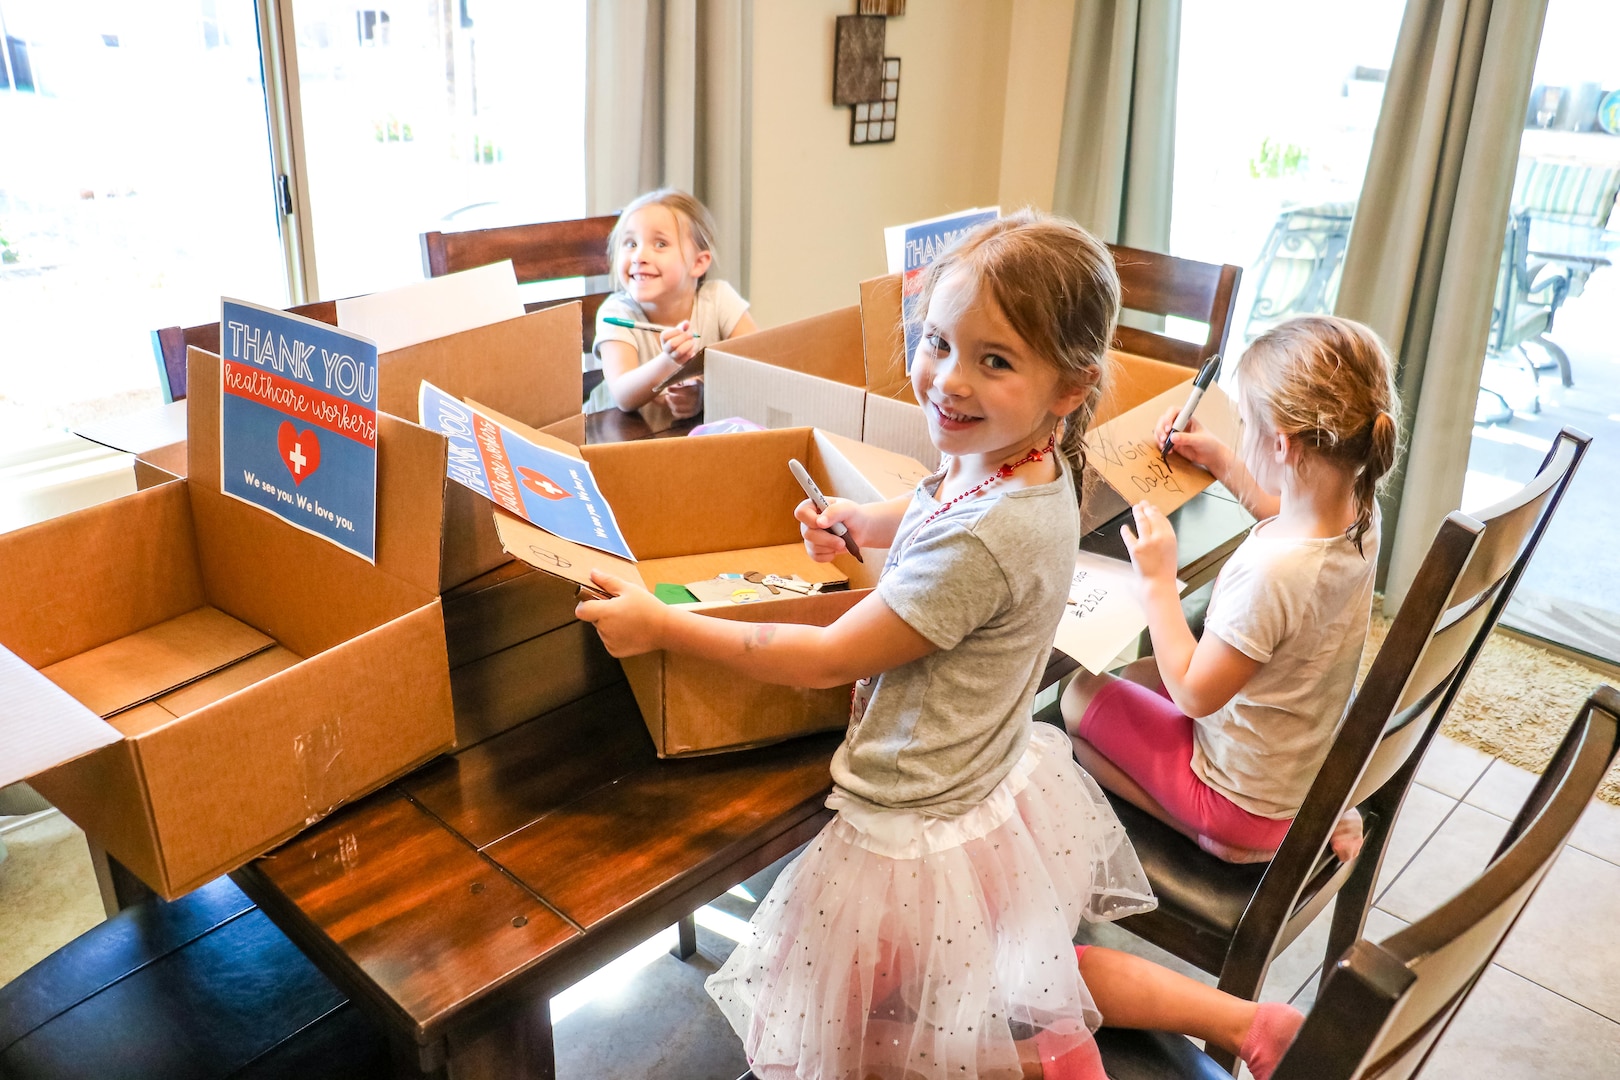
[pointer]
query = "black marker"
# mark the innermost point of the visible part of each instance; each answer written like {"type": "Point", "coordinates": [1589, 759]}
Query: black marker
{"type": "Point", "coordinates": [1200, 383]}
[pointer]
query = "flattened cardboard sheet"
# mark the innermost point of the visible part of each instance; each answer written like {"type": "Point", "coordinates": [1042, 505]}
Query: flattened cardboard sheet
{"type": "Point", "coordinates": [1122, 452]}
{"type": "Point", "coordinates": [145, 664]}
{"type": "Point", "coordinates": [436, 308]}
{"type": "Point", "coordinates": [41, 725]}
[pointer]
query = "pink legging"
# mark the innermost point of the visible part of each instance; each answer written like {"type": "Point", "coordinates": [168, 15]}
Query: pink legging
{"type": "Point", "coordinates": [1143, 733]}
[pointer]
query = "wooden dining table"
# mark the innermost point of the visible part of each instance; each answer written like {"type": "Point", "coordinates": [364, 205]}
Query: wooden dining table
{"type": "Point", "coordinates": [454, 903]}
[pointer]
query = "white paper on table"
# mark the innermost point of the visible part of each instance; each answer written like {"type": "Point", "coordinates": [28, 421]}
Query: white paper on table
{"type": "Point", "coordinates": [1102, 615]}
{"type": "Point", "coordinates": [435, 308]}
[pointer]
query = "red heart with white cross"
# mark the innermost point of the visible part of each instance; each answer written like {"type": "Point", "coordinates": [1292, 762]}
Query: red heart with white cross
{"type": "Point", "coordinates": [300, 451]}
{"type": "Point", "coordinates": [541, 484]}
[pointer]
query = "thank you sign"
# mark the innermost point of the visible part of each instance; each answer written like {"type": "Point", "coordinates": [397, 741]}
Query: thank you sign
{"type": "Point", "coordinates": [542, 486]}
{"type": "Point", "coordinates": [298, 423]}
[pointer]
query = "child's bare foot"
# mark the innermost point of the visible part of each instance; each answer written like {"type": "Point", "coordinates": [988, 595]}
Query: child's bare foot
{"type": "Point", "coordinates": [1232, 853]}
{"type": "Point", "coordinates": [1346, 838]}
{"type": "Point", "coordinates": [1270, 1034]}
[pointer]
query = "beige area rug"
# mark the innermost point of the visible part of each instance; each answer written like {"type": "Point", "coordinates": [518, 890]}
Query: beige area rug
{"type": "Point", "coordinates": [1518, 702]}
{"type": "Point", "coordinates": [48, 893]}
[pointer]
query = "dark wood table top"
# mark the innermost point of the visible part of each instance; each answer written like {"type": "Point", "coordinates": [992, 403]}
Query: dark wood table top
{"type": "Point", "coordinates": [513, 868]}
{"type": "Point", "coordinates": [613, 425]}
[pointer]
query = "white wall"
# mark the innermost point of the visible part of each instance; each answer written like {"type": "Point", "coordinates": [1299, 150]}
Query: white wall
{"type": "Point", "coordinates": [819, 205]}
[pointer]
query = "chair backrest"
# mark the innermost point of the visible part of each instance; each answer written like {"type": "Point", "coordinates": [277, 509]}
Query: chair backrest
{"type": "Point", "coordinates": [1566, 191]}
{"type": "Point", "coordinates": [1454, 602]}
{"type": "Point", "coordinates": [544, 251]}
{"type": "Point", "coordinates": [170, 344]}
{"type": "Point", "coordinates": [1383, 1007]}
{"type": "Point", "coordinates": [1157, 284]}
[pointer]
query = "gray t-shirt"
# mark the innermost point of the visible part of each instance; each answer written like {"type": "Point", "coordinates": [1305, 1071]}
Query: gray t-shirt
{"type": "Point", "coordinates": [986, 582]}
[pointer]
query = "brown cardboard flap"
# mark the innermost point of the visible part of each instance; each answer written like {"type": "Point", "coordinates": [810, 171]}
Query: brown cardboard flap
{"type": "Point", "coordinates": [134, 563]}
{"type": "Point", "coordinates": [1123, 453]}
{"type": "Point", "coordinates": [714, 493]}
{"type": "Point", "coordinates": [104, 794]}
{"type": "Point", "coordinates": [203, 375]}
{"type": "Point", "coordinates": [827, 346]}
{"type": "Point", "coordinates": [1134, 379]}
{"type": "Point", "coordinates": [884, 333]}
{"type": "Point", "coordinates": [527, 368]}
{"type": "Point", "coordinates": [137, 668]}
{"type": "Point", "coordinates": [553, 555]}
{"type": "Point", "coordinates": [147, 716]}
{"type": "Point", "coordinates": [227, 681]}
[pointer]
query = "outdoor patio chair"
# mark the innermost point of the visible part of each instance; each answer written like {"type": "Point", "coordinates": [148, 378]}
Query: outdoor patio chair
{"type": "Point", "coordinates": [1233, 920]}
{"type": "Point", "coordinates": [1383, 1007]}
{"type": "Point", "coordinates": [1298, 269]}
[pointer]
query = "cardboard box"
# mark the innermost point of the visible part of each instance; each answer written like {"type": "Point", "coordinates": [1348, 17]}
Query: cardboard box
{"type": "Point", "coordinates": [846, 369]}
{"type": "Point", "coordinates": [694, 508]}
{"type": "Point", "coordinates": [528, 369]}
{"type": "Point", "coordinates": [516, 650]}
{"type": "Point", "coordinates": [252, 676]}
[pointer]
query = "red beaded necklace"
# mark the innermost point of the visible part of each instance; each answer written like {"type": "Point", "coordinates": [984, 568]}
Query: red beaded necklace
{"type": "Point", "coordinates": [1001, 473]}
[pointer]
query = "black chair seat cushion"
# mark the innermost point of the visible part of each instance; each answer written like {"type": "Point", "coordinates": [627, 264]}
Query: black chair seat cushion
{"type": "Point", "coordinates": [1154, 1055]}
{"type": "Point", "coordinates": [204, 987]}
{"type": "Point", "coordinates": [1193, 886]}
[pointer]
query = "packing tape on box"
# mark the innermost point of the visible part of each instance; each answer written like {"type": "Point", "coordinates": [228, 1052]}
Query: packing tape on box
{"type": "Point", "coordinates": [316, 752]}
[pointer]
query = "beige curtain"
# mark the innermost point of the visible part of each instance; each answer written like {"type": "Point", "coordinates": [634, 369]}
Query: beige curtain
{"type": "Point", "coordinates": [1422, 261]}
{"type": "Point", "coordinates": [667, 103]}
{"type": "Point", "coordinates": [1116, 155]}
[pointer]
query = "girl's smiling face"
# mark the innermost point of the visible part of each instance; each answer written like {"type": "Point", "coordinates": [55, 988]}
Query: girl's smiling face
{"type": "Point", "coordinates": [985, 391]}
{"type": "Point", "coordinates": [656, 262]}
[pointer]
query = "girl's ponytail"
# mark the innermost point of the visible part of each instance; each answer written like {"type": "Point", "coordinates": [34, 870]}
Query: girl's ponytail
{"type": "Point", "coordinates": [1383, 439]}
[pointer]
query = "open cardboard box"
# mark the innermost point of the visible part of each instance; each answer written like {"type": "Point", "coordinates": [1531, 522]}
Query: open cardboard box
{"type": "Point", "coordinates": [193, 681]}
{"type": "Point", "coordinates": [694, 508]}
{"type": "Point", "coordinates": [845, 371]}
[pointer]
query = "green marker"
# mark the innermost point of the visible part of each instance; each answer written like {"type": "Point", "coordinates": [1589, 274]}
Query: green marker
{"type": "Point", "coordinates": [630, 324]}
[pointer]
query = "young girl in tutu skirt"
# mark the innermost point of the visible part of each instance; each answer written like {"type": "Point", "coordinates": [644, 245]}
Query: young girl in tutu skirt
{"type": "Point", "coordinates": [927, 931]}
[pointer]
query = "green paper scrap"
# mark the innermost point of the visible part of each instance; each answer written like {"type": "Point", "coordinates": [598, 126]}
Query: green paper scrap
{"type": "Point", "coordinates": [674, 594]}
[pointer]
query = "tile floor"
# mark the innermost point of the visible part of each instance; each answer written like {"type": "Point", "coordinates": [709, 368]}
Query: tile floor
{"type": "Point", "coordinates": [1548, 1008]}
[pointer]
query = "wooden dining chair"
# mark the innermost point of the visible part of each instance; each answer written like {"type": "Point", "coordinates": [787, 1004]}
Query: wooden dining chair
{"type": "Point", "coordinates": [545, 251]}
{"type": "Point", "coordinates": [170, 344]}
{"type": "Point", "coordinates": [1383, 1007]}
{"type": "Point", "coordinates": [1232, 920]}
{"type": "Point", "coordinates": [1156, 284]}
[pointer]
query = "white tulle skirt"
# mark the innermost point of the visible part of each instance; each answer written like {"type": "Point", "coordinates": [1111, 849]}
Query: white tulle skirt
{"type": "Point", "coordinates": [903, 946]}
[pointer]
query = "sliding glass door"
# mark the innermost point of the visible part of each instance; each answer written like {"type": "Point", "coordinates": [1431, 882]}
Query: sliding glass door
{"type": "Point", "coordinates": [1554, 354]}
{"type": "Point", "coordinates": [135, 189]}
{"type": "Point", "coordinates": [437, 115]}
